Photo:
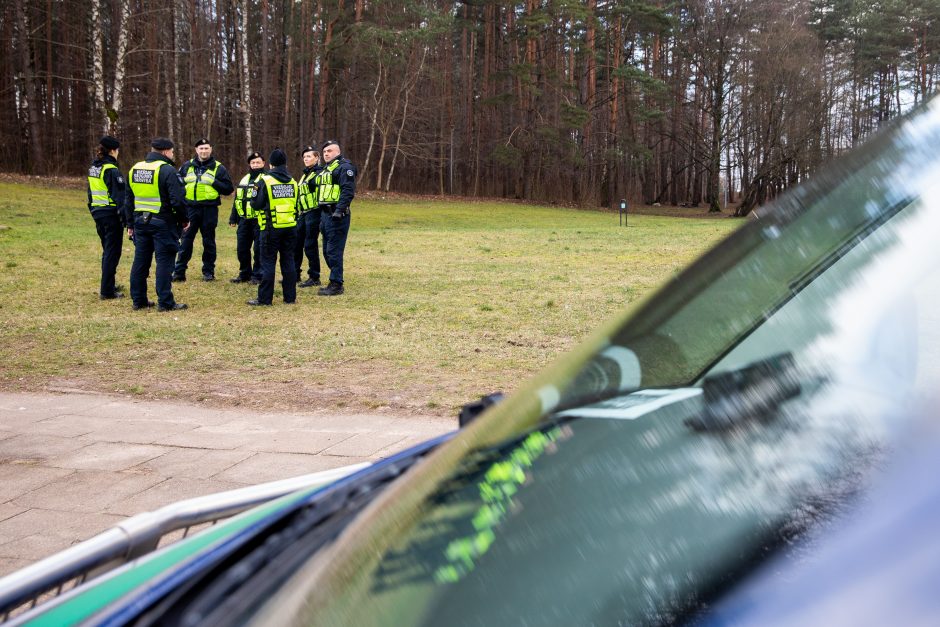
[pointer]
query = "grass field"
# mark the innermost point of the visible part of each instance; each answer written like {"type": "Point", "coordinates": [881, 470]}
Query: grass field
{"type": "Point", "coordinates": [445, 301]}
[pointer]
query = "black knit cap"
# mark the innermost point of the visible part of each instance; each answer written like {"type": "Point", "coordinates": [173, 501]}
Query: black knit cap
{"type": "Point", "coordinates": [200, 142]}
{"type": "Point", "coordinates": [277, 158]}
{"type": "Point", "coordinates": [110, 143]}
{"type": "Point", "coordinates": [327, 143]}
{"type": "Point", "coordinates": [161, 143]}
{"type": "Point", "coordinates": [254, 155]}
{"type": "Point", "coordinates": [307, 149]}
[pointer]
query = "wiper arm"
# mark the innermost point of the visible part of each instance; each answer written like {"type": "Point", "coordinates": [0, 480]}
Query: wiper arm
{"type": "Point", "coordinates": [753, 391]}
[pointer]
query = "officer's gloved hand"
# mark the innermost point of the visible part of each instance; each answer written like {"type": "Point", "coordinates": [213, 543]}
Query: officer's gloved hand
{"type": "Point", "coordinates": [337, 214]}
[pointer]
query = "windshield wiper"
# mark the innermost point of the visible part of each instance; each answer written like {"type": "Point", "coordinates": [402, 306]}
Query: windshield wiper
{"type": "Point", "coordinates": [231, 580]}
{"type": "Point", "coordinates": [752, 391]}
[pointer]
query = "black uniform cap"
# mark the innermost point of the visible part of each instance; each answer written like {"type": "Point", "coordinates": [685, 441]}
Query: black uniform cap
{"type": "Point", "coordinates": [277, 158]}
{"type": "Point", "coordinates": [161, 143]}
{"type": "Point", "coordinates": [307, 149]}
{"type": "Point", "coordinates": [328, 142]}
{"type": "Point", "coordinates": [110, 143]}
{"type": "Point", "coordinates": [200, 142]}
{"type": "Point", "coordinates": [254, 155]}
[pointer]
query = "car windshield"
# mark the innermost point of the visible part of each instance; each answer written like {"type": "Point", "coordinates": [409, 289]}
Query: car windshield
{"type": "Point", "coordinates": [719, 421]}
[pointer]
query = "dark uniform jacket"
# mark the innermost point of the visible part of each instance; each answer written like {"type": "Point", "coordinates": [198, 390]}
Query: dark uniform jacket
{"type": "Point", "coordinates": [222, 184]}
{"type": "Point", "coordinates": [115, 182]}
{"type": "Point", "coordinates": [172, 194]}
{"type": "Point", "coordinates": [252, 178]}
{"type": "Point", "coordinates": [259, 198]}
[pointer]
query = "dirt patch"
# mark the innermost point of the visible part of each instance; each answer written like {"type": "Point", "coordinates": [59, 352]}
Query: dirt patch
{"type": "Point", "coordinates": [349, 388]}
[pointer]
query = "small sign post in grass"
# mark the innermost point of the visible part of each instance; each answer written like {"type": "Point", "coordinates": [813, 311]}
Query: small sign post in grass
{"type": "Point", "coordinates": [623, 212]}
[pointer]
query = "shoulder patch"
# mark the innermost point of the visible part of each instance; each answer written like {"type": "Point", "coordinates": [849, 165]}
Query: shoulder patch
{"type": "Point", "coordinates": [120, 180]}
{"type": "Point", "coordinates": [350, 173]}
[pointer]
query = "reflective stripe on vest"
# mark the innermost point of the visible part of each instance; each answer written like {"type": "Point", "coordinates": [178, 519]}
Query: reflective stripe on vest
{"type": "Point", "coordinates": [328, 190]}
{"type": "Point", "coordinates": [144, 179]}
{"type": "Point", "coordinates": [242, 205]}
{"type": "Point", "coordinates": [97, 187]}
{"type": "Point", "coordinates": [308, 192]}
{"type": "Point", "coordinates": [199, 187]}
{"type": "Point", "coordinates": [282, 203]}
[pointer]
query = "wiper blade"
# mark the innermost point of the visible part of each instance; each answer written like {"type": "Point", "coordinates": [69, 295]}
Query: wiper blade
{"type": "Point", "coordinates": [234, 577]}
{"type": "Point", "coordinates": [753, 391]}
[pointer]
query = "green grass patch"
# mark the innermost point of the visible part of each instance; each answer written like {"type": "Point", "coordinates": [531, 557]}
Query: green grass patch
{"type": "Point", "coordinates": [445, 301]}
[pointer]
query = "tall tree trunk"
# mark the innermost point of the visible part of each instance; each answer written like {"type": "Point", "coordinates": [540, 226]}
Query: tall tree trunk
{"type": "Point", "coordinates": [31, 102]}
{"type": "Point", "coordinates": [51, 130]}
{"type": "Point", "coordinates": [290, 72]}
{"type": "Point", "coordinates": [591, 97]}
{"type": "Point", "coordinates": [97, 65]}
{"type": "Point", "coordinates": [612, 126]}
{"type": "Point", "coordinates": [714, 156]}
{"type": "Point", "coordinates": [174, 77]}
{"type": "Point", "coordinates": [265, 71]}
{"type": "Point", "coordinates": [325, 76]}
{"type": "Point", "coordinates": [120, 66]}
{"type": "Point", "coordinates": [246, 75]}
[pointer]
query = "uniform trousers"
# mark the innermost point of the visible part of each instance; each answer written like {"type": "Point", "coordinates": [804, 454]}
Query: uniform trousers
{"type": "Point", "coordinates": [156, 239]}
{"type": "Point", "coordinates": [335, 232]}
{"type": "Point", "coordinates": [276, 242]}
{"type": "Point", "coordinates": [111, 234]}
{"type": "Point", "coordinates": [202, 219]}
{"type": "Point", "coordinates": [308, 232]}
{"type": "Point", "coordinates": [248, 240]}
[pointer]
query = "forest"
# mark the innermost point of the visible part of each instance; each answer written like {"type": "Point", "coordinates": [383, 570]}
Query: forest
{"type": "Point", "coordinates": [712, 103]}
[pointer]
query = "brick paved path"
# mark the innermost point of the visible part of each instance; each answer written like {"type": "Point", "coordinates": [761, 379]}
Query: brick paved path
{"type": "Point", "coordinates": [72, 465]}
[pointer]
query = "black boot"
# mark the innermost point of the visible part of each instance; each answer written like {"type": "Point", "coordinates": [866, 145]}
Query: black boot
{"type": "Point", "coordinates": [333, 289]}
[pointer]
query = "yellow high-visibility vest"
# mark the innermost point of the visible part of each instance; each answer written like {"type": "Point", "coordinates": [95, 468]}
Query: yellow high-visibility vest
{"type": "Point", "coordinates": [308, 192]}
{"type": "Point", "coordinates": [242, 196]}
{"type": "Point", "coordinates": [144, 179]}
{"type": "Point", "coordinates": [100, 196]}
{"type": "Point", "coordinates": [282, 203]}
{"type": "Point", "coordinates": [328, 190]}
{"type": "Point", "coordinates": [199, 187]}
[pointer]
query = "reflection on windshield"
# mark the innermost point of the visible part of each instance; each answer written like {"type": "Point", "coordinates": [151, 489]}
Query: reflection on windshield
{"type": "Point", "coordinates": [603, 519]}
{"type": "Point", "coordinates": [499, 485]}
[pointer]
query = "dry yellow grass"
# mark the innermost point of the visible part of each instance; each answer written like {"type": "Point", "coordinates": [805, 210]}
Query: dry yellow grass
{"type": "Point", "coordinates": [445, 301]}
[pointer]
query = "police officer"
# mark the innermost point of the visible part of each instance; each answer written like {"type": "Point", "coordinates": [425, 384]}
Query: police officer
{"type": "Point", "coordinates": [336, 184]}
{"type": "Point", "coordinates": [155, 211]}
{"type": "Point", "coordinates": [274, 198]}
{"type": "Point", "coordinates": [206, 179]}
{"type": "Point", "coordinates": [106, 204]}
{"type": "Point", "coordinates": [248, 235]}
{"type": "Point", "coordinates": [308, 220]}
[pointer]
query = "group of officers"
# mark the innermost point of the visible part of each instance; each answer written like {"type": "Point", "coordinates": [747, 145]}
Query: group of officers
{"type": "Point", "coordinates": [163, 208]}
